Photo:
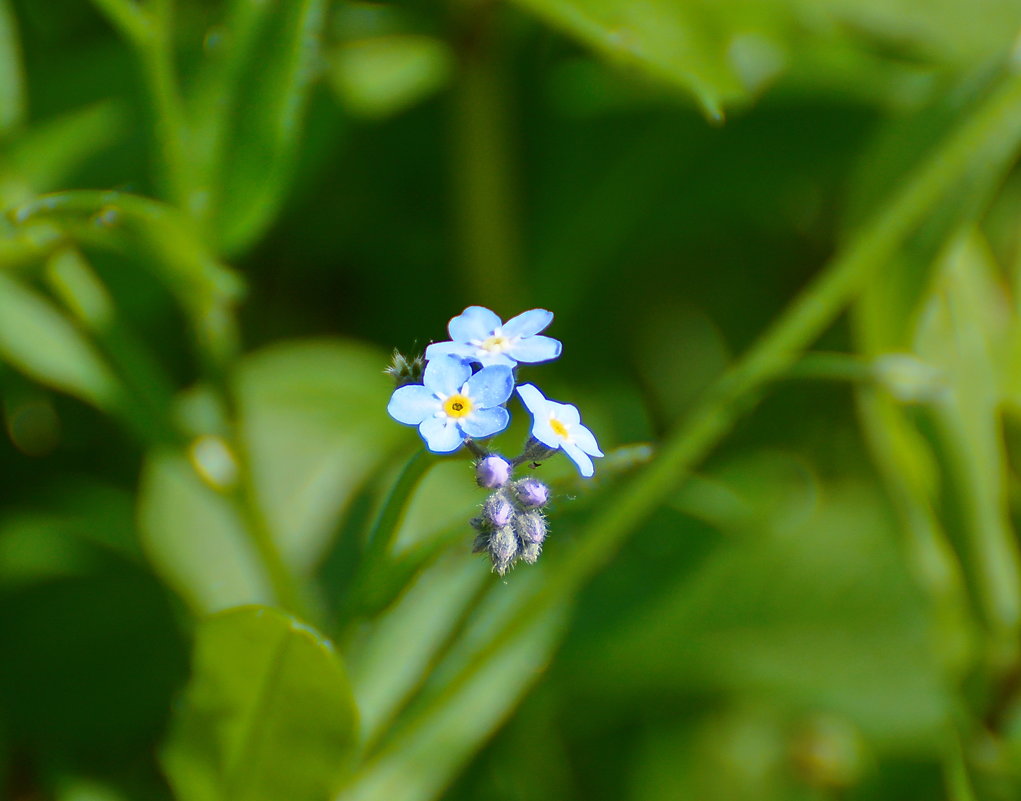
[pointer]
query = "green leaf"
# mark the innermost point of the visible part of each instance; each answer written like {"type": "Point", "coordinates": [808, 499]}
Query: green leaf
{"type": "Point", "coordinates": [268, 713]}
{"type": "Point", "coordinates": [416, 627]}
{"type": "Point", "coordinates": [196, 539]}
{"type": "Point", "coordinates": [422, 756]}
{"type": "Point", "coordinates": [38, 340]}
{"type": "Point", "coordinates": [964, 332]}
{"type": "Point", "coordinates": [162, 240]}
{"type": "Point", "coordinates": [820, 614]}
{"type": "Point", "coordinates": [12, 77]}
{"type": "Point", "coordinates": [273, 75]}
{"type": "Point", "coordinates": [381, 76]}
{"type": "Point", "coordinates": [725, 51]}
{"type": "Point", "coordinates": [44, 156]}
{"type": "Point", "coordinates": [314, 425]}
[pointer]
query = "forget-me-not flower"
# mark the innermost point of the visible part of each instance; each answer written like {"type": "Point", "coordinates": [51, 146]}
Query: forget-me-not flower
{"type": "Point", "coordinates": [479, 336]}
{"type": "Point", "coordinates": [558, 425]}
{"type": "Point", "coordinates": [452, 404]}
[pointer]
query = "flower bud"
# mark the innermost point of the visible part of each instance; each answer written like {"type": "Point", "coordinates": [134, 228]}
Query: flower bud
{"type": "Point", "coordinates": [530, 552]}
{"type": "Point", "coordinates": [531, 493]}
{"type": "Point", "coordinates": [531, 527]}
{"type": "Point", "coordinates": [503, 549]}
{"type": "Point", "coordinates": [405, 370]}
{"type": "Point", "coordinates": [497, 511]}
{"type": "Point", "coordinates": [492, 471]}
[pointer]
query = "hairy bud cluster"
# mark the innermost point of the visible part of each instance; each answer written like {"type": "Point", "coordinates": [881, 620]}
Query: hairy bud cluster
{"type": "Point", "coordinates": [405, 370]}
{"type": "Point", "coordinates": [512, 526]}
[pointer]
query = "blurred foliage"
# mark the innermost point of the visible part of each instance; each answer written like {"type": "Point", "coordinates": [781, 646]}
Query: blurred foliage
{"type": "Point", "coordinates": [781, 241]}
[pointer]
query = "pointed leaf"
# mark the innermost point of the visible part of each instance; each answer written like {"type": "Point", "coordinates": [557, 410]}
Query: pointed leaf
{"type": "Point", "coordinates": [37, 339]}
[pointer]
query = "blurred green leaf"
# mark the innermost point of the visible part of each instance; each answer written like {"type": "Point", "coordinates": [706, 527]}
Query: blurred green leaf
{"type": "Point", "coordinates": [417, 626]}
{"type": "Point", "coordinates": [267, 107]}
{"type": "Point", "coordinates": [268, 713]}
{"type": "Point", "coordinates": [725, 51]}
{"type": "Point", "coordinates": [43, 157]}
{"type": "Point", "coordinates": [163, 241]}
{"type": "Point", "coordinates": [38, 340]}
{"type": "Point", "coordinates": [447, 727]}
{"type": "Point", "coordinates": [12, 77]}
{"type": "Point", "coordinates": [382, 76]}
{"type": "Point", "coordinates": [965, 332]}
{"type": "Point", "coordinates": [196, 539]}
{"type": "Point", "coordinates": [819, 616]}
{"type": "Point", "coordinates": [314, 425]}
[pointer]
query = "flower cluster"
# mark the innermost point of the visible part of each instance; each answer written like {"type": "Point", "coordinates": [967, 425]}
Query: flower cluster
{"type": "Point", "coordinates": [465, 386]}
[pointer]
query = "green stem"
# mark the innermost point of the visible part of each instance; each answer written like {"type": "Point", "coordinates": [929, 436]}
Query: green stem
{"type": "Point", "coordinates": [996, 123]}
{"type": "Point", "coordinates": [384, 529]}
{"type": "Point", "coordinates": [170, 126]}
{"type": "Point", "coordinates": [128, 18]}
{"type": "Point", "coordinates": [149, 31]}
{"type": "Point", "coordinates": [819, 366]}
{"type": "Point", "coordinates": [483, 166]}
{"type": "Point", "coordinates": [955, 769]}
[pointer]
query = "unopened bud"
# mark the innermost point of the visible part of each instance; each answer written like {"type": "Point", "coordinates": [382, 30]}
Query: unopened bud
{"type": "Point", "coordinates": [530, 552]}
{"type": "Point", "coordinates": [405, 370]}
{"type": "Point", "coordinates": [531, 527]}
{"type": "Point", "coordinates": [497, 510]}
{"type": "Point", "coordinates": [531, 493]}
{"type": "Point", "coordinates": [503, 549]}
{"type": "Point", "coordinates": [492, 471]}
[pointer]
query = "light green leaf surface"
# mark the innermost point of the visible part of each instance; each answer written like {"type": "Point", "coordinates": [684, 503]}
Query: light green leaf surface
{"type": "Point", "coordinates": [41, 342]}
{"type": "Point", "coordinates": [44, 156]}
{"type": "Point", "coordinates": [415, 627]}
{"type": "Point", "coordinates": [380, 76]}
{"type": "Point", "coordinates": [267, 104]}
{"type": "Point", "coordinates": [195, 538]}
{"type": "Point", "coordinates": [964, 332]}
{"type": "Point", "coordinates": [314, 425]}
{"type": "Point", "coordinates": [725, 51]}
{"type": "Point", "coordinates": [268, 713]}
{"type": "Point", "coordinates": [423, 755]}
{"type": "Point", "coordinates": [163, 241]}
{"type": "Point", "coordinates": [817, 616]}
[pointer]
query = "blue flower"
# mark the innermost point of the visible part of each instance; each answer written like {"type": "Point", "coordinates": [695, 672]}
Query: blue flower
{"type": "Point", "coordinates": [452, 404]}
{"type": "Point", "coordinates": [558, 425]}
{"type": "Point", "coordinates": [478, 336]}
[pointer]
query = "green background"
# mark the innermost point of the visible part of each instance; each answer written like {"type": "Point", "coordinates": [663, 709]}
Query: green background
{"type": "Point", "coordinates": [780, 238]}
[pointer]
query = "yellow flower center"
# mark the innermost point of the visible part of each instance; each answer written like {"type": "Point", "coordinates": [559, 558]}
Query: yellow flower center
{"type": "Point", "coordinates": [495, 344]}
{"type": "Point", "coordinates": [457, 406]}
{"type": "Point", "coordinates": [559, 428]}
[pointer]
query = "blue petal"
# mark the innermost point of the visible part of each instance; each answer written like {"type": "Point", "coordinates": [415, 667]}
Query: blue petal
{"type": "Point", "coordinates": [485, 422]}
{"type": "Point", "coordinates": [412, 404]}
{"type": "Point", "coordinates": [440, 435]}
{"type": "Point", "coordinates": [536, 349]}
{"type": "Point", "coordinates": [580, 458]}
{"type": "Point", "coordinates": [491, 386]}
{"type": "Point", "coordinates": [446, 375]}
{"type": "Point", "coordinates": [475, 322]}
{"type": "Point", "coordinates": [459, 350]}
{"type": "Point", "coordinates": [585, 440]}
{"type": "Point", "coordinates": [533, 399]}
{"type": "Point", "coordinates": [566, 413]}
{"type": "Point", "coordinates": [528, 323]}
